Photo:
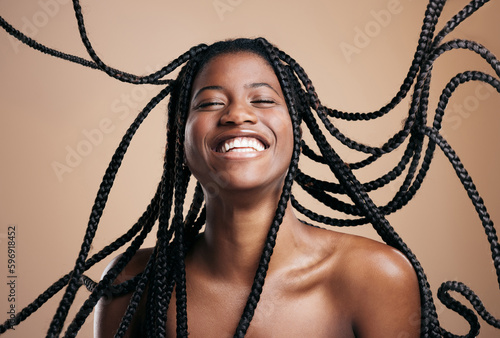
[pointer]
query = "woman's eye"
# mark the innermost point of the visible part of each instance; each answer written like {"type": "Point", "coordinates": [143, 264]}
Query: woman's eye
{"type": "Point", "coordinates": [263, 102]}
{"type": "Point", "coordinates": [209, 104]}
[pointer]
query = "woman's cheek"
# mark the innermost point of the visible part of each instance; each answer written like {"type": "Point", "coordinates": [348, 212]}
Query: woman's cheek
{"type": "Point", "coordinates": [188, 145]}
{"type": "Point", "coordinates": [195, 133]}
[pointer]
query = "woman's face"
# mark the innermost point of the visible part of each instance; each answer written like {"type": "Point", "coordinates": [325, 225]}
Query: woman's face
{"type": "Point", "coordinates": [238, 132]}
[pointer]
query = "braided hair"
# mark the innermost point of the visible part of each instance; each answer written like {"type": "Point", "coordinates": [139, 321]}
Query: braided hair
{"type": "Point", "coordinates": [165, 269]}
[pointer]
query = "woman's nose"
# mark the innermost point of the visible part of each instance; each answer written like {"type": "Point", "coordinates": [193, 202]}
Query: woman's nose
{"type": "Point", "coordinates": [238, 114]}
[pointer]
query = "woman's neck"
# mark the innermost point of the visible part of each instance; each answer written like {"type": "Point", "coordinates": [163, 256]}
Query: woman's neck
{"type": "Point", "coordinates": [235, 233]}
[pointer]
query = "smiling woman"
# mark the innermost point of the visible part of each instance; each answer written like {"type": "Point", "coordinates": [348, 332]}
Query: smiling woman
{"type": "Point", "coordinates": [240, 262]}
{"type": "Point", "coordinates": [346, 286]}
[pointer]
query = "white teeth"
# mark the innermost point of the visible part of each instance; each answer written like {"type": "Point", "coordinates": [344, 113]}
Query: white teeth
{"type": "Point", "coordinates": [241, 144]}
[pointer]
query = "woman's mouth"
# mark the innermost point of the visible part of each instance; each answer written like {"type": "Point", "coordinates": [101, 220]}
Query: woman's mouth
{"type": "Point", "coordinates": [240, 144]}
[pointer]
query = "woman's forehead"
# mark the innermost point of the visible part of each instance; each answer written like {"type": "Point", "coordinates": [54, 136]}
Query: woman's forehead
{"type": "Point", "coordinates": [236, 66]}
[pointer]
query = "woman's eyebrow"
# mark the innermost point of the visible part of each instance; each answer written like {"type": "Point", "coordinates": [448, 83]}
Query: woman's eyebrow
{"type": "Point", "coordinates": [207, 88]}
{"type": "Point", "coordinates": [250, 85]}
{"type": "Point", "coordinates": [261, 84]}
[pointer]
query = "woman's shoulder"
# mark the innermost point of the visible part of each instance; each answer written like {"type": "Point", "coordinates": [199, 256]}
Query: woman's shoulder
{"type": "Point", "coordinates": [374, 257]}
{"type": "Point", "coordinates": [135, 266]}
{"type": "Point", "coordinates": [361, 255]}
{"type": "Point", "coordinates": [378, 284]}
{"type": "Point", "coordinates": [110, 310]}
{"type": "Point", "coordinates": [362, 261]}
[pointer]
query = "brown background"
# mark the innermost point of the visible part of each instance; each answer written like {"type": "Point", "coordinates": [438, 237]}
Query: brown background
{"type": "Point", "coordinates": [48, 105]}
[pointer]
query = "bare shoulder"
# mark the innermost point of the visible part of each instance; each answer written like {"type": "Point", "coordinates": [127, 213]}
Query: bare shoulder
{"type": "Point", "coordinates": [133, 268]}
{"type": "Point", "coordinates": [379, 287]}
{"type": "Point", "coordinates": [109, 311]}
{"type": "Point", "coordinates": [369, 261]}
{"type": "Point", "coordinates": [362, 259]}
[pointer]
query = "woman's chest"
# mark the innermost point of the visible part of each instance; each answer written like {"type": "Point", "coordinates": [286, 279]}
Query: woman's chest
{"type": "Point", "coordinates": [281, 311]}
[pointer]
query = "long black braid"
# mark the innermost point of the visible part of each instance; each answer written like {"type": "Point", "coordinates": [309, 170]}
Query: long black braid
{"type": "Point", "coordinates": [165, 270]}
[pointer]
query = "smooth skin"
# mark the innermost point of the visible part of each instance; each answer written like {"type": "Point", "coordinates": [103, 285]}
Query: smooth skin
{"type": "Point", "coordinates": [320, 283]}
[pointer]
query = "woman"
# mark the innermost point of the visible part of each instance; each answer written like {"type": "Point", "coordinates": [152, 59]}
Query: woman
{"type": "Point", "coordinates": [239, 142]}
{"type": "Point", "coordinates": [234, 120]}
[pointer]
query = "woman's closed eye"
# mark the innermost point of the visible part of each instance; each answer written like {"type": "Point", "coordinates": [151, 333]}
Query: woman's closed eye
{"type": "Point", "coordinates": [264, 102]}
{"type": "Point", "coordinates": [209, 104]}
